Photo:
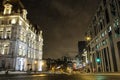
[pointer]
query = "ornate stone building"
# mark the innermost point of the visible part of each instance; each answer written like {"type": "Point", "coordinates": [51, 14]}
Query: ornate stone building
{"type": "Point", "coordinates": [20, 43]}
{"type": "Point", "coordinates": [104, 30]}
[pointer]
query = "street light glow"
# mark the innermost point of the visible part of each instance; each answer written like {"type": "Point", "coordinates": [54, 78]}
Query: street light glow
{"type": "Point", "coordinates": [88, 38]}
{"type": "Point", "coordinates": [35, 62]}
{"type": "Point", "coordinates": [42, 63]}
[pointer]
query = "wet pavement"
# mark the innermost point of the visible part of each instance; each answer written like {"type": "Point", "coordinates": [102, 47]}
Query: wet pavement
{"type": "Point", "coordinates": [59, 77]}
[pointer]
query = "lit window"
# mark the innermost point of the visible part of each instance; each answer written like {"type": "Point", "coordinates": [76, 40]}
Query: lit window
{"type": "Point", "coordinates": [20, 22]}
{"type": "Point", "coordinates": [20, 52]}
{"type": "Point", "coordinates": [109, 29]}
{"type": "Point", "coordinates": [32, 54]}
{"type": "Point", "coordinates": [40, 55]}
{"type": "Point", "coordinates": [31, 35]}
{"type": "Point", "coordinates": [5, 49]}
{"type": "Point", "coordinates": [104, 42]}
{"type": "Point", "coordinates": [28, 53]}
{"type": "Point", "coordinates": [13, 21]}
{"type": "Point", "coordinates": [96, 40]}
{"type": "Point", "coordinates": [26, 28]}
{"type": "Point", "coordinates": [103, 34]}
{"type": "Point", "coordinates": [21, 32]}
{"type": "Point", "coordinates": [1, 32]}
{"type": "Point", "coordinates": [117, 22]}
{"type": "Point", "coordinates": [97, 46]}
{"type": "Point", "coordinates": [8, 33]}
{"type": "Point", "coordinates": [24, 53]}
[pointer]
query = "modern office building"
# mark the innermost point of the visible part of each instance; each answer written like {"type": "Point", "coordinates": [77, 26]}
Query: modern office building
{"type": "Point", "coordinates": [104, 31]}
{"type": "Point", "coordinates": [20, 43]}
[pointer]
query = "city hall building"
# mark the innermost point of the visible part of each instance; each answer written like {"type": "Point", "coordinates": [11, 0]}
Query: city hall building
{"type": "Point", "coordinates": [104, 31]}
{"type": "Point", "coordinates": [20, 43]}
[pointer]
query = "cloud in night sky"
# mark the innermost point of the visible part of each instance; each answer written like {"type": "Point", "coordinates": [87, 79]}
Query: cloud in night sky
{"type": "Point", "coordinates": [63, 22]}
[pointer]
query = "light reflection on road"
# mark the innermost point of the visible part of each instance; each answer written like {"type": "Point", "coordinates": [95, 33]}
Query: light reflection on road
{"type": "Point", "coordinates": [39, 75]}
{"type": "Point", "coordinates": [60, 77]}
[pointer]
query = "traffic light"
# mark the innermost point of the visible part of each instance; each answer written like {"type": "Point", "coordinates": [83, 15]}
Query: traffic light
{"type": "Point", "coordinates": [98, 60]}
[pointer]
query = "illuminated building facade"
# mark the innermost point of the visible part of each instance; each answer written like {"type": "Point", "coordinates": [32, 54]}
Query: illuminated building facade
{"type": "Point", "coordinates": [20, 43]}
{"type": "Point", "coordinates": [104, 30]}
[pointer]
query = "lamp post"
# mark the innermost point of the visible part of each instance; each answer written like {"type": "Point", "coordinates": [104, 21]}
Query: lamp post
{"type": "Point", "coordinates": [88, 38]}
{"type": "Point", "coordinates": [35, 65]}
{"type": "Point", "coordinates": [43, 64]}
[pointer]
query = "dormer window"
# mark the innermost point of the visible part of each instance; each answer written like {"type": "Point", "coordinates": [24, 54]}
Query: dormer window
{"type": "Point", "coordinates": [7, 9]}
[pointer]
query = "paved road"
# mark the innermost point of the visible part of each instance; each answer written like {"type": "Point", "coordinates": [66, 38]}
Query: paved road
{"type": "Point", "coordinates": [59, 77]}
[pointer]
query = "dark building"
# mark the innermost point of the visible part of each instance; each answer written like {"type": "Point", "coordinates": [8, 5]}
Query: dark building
{"type": "Point", "coordinates": [81, 46]}
{"type": "Point", "coordinates": [104, 30]}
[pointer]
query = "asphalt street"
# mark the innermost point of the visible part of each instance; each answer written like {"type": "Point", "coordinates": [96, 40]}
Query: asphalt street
{"type": "Point", "coordinates": [59, 77]}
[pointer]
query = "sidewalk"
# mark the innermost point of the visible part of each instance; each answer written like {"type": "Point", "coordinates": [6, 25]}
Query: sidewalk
{"type": "Point", "coordinates": [110, 73]}
{"type": "Point", "coordinates": [24, 73]}
{"type": "Point", "coordinates": [13, 72]}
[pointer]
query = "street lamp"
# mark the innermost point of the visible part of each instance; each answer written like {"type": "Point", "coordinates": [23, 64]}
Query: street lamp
{"type": "Point", "coordinates": [88, 38]}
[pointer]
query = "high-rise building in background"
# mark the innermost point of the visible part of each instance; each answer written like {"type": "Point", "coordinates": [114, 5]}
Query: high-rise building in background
{"type": "Point", "coordinates": [81, 47]}
{"type": "Point", "coordinates": [104, 31]}
{"type": "Point", "coordinates": [20, 43]}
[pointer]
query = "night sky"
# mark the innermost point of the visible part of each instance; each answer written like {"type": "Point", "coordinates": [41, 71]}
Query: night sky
{"type": "Point", "coordinates": [63, 22]}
